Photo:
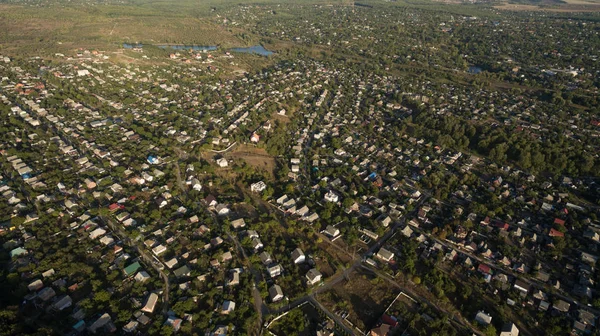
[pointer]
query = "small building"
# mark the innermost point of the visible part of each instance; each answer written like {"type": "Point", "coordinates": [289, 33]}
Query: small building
{"type": "Point", "coordinates": [238, 223]}
{"type": "Point", "coordinates": [222, 162]}
{"type": "Point", "coordinates": [509, 329]}
{"type": "Point", "coordinates": [275, 293]}
{"type": "Point", "coordinates": [313, 276]}
{"type": "Point", "coordinates": [561, 306]}
{"type": "Point", "coordinates": [131, 269]}
{"type": "Point", "coordinates": [265, 258]}
{"type": "Point", "coordinates": [150, 303]}
{"type": "Point", "coordinates": [228, 307]}
{"type": "Point", "coordinates": [298, 256]}
{"type": "Point", "coordinates": [385, 255]}
{"type": "Point", "coordinates": [483, 318]}
{"type": "Point", "coordinates": [258, 187]}
{"type": "Point", "coordinates": [183, 271]}
{"type": "Point", "coordinates": [142, 276]}
{"type": "Point", "coordinates": [274, 270]}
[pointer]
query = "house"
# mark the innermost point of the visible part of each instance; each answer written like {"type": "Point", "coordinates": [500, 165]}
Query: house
{"type": "Point", "coordinates": [35, 285]}
{"type": "Point", "coordinates": [171, 263]}
{"type": "Point", "coordinates": [331, 197]}
{"type": "Point", "coordinates": [483, 318]}
{"type": "Point", "coordinates": [17, 252]}
{"type": "Point", "coordinates": [141, 276]}
{"type": "Point", "coordinates": [101, 322]}
{"type": "Point", "coordinates": [222, 209]}
{"type": "Point", "coordinates": [331, 231]}
{"type": "Point", "coordinates": [561, 306]}
{"type": "Point", "coordinates": [228, 307]}
{"type": "Point", "coordinates": [62, 303]}
{"type": "Point", "coordinates": [302, 211]}
{"type": "Point", "coordinates": [555, 233]}
{"type": "Point", "coordinates": [265, 257]}
{"type": "Point", "coordinates": [158, 250]}
{"type": "Point", "coordinates": [298, 256]}
{"type": "Point", "coordinates": [99, 232]}
{"type": "Point", "coordinates": [174, 322]}
{"type": "Point", "coordinates": [274, 270]}
{"type": "Point", "coordinates": [509, 329]}
{"type": "Point", "coordinates": [150, 303]}
{"type": "Point", "coordinates": [385, 222]}
{"type": "Point", "coordinates": [131, 326]}
{"type": "Point", "coordinates": [385, 255]}
{"type": "Point", "coordinates": [522, 286]}
{"type": "Point", "coordinates": [238, 223]}
{"type": "Point", "coordinates": [382, 330]}
{"type": "Point", "coordinates": [275, 293]}
{"type": "Point", "coordinates": [407, 231]}
{"type": "Point", "coordinates": [258, 186]}
{"type": "Point", "coordinates": [313, 276]}
{"type": "Point", "coordinates": [210, 201]}
{"type": "Point", "coordinates": [222, 162]}
{"type": "Point", "coordinates": [182, 271]}
{"type": "Point", "coordinates": [234, 278]}
{"type": "Point", "coordinates": [46, 294]}
{"type": "Point", "coordinates": [129, 270]}
{"type": "Point", "coordinates": [256, 244]}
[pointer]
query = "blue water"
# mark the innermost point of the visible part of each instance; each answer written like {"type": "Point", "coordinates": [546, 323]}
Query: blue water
{"type": "Point", "coordinates": [257, 49]}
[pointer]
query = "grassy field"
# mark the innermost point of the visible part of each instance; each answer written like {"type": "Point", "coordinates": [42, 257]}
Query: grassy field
{"type": "Point", "coordinates": [42, 27]}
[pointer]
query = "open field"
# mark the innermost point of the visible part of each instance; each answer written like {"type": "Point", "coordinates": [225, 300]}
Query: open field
{"type": "Point", "coordinates": [255, 157]}
{"type": "Point", "coordinates": [571, 6]}
{"type": "Point", "coordinates": [364, 297]}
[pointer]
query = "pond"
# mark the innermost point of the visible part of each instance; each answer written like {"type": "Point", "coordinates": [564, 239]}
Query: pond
{"type": "Point", "coordinates": [257, 49]}
{"type": "Point", "coordinates": [187, 47]}
{"type": "Point", "coordinates": [172, 46]}
{"type": "Point", "coordinates": [474, 70]}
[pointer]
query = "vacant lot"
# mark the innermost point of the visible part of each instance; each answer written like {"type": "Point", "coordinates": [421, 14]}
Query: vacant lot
{"type": "Point", "coordinates": [364, 297]}
{"type": "Point", "coordinates": [254, 156]}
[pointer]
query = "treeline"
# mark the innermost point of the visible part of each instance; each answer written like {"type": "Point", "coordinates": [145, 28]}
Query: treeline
{"type": "Point", "coordinates": [554, 153]}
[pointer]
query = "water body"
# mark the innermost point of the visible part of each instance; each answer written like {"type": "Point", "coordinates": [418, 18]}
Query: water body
{"type": "Point", "coordinates": [187, 47]}
{"type": "Point", "coordinates": [257, 49]}
{"type": "Point", "coordinates": [474, 70]}
{"type": "Point", "coordinates": [132, 45]}
{"type": "Point", "coordinates": [173, 46]}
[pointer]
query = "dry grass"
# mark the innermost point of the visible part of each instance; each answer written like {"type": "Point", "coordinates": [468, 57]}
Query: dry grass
{"type": "Point", "coordinates": [571, 6]}
{"type": "Point", "coordinates": [365, 297]}
{"type": "Point", "coordinates": [255, 157]}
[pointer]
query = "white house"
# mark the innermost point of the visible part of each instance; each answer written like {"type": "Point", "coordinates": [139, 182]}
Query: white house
{"type": "Point", "coordinates": [331, 197]}
{"type": "Point", "coordinates": [222, 162]}
{"type": "Point", "coordinates": [275, 293]}
{"type": "Point", "coordinates": [385, 255]}
{"type": "Point", "coordinates": [275, 270]}
{"type": "Point", "coordinates": [313, 276]}
{"type": "Point", "coordinates": [160, 249]}
{"type": "Point", "coordinates": [483, 318]}
{"type": "Point", "coordinates": [258, 186]}
{"type": "Point", "coordinates": [298, 256]}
